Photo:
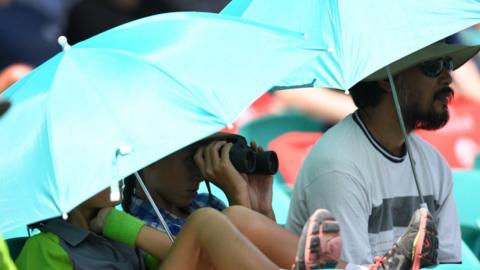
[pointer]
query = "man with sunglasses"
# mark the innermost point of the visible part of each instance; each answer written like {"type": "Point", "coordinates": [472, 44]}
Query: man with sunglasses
{"type": "Point", "coordinates": [360, 171]}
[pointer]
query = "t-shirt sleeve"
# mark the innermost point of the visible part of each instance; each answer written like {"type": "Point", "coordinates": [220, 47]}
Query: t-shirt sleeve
{"type": "Point", "coordinates": [43, 251]}
{"type": "Point", "coordinates": [346, 199]}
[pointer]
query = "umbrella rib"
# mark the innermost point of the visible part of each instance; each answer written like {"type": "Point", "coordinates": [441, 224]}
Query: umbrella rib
{"type": "Point", "coordinates": [155, 208]}
{"type": "Point", "coordinates": [404, 133]}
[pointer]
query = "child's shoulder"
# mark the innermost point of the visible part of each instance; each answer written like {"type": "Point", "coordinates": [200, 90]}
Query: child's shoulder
{"type": "Point", "coordinates": [43, 250]}
{"type": "Point", "coordinates": [43, 239]}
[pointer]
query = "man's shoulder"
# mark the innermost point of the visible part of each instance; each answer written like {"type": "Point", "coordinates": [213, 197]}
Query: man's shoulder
{"type": "Point", "coordinates": [344, 135]}
{"type": "Point", "coordinates": [339, 149]}
{"type": "Point", "coordinates": [428, 150]}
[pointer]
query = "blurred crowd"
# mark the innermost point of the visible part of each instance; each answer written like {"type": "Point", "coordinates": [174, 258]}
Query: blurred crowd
{"type": "Point", "coordinates": [29, 30]}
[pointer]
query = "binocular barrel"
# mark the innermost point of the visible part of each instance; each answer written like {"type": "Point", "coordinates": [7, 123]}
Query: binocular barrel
{"type": "Point", "coordinates": [267, 163]}
{"type": "Point", "coordinates": [246, 160]}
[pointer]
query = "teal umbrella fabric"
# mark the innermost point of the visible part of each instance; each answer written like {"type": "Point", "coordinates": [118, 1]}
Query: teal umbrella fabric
{"type": "Point", "coordinates": [108, 106]}
{"type": "Point", "coordinates": [362, 36]}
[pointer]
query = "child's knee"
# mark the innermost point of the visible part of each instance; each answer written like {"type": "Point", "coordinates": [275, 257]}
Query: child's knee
{"type": "Point", "coordinates": [204, 215]}
{"type": "Point", "coordinates": [235, 211]}
{"type": "Point", "coordinates": [240, 217]}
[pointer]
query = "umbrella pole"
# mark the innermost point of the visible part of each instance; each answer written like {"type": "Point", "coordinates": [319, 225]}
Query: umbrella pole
{"type": "Point", "coordinates": [404, 133]}
{"type": "Point", "coordinates": [155, 208]}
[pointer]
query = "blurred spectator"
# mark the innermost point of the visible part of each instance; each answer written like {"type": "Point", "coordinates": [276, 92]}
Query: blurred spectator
{"type": "Point", "coordinates": [25, 36]}
{"type": "Point", "coordinates": [11, 74]}
{"type": "Point", "coordinates": [90, 17]}
{"type": "Point", "coordinates": [29, 30]}
{"type": "Point", "coordinates": [153, 7]}
{"type": "Point", "coordinates": [55, 10]}
{"type": "Point", "coordinates": [323, 103]}
{"type": "Point", "coordinates": [466, 81]}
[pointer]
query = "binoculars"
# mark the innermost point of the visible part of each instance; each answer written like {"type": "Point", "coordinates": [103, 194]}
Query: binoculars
{"type": "Point", "coordinates": [246, 160]}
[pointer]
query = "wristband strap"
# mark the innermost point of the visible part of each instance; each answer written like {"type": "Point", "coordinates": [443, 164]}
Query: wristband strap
{"type": "Point", "coordinates": [122, 227]}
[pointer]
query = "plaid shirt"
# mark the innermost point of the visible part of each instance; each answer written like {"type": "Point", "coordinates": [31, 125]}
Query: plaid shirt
{"type": "Point", "coordinates": [144, 211]}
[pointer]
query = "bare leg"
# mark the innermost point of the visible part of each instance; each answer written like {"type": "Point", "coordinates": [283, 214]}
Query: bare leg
{"type": "Point", "coordinates": [277, 243]}
{"type": "Point", "coordinates": [210, 240]}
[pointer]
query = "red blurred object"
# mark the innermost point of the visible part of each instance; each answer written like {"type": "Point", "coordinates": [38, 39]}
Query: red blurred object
{"type": "Point", "coordinates": [266, 104]}
{"type": "Point", "coordinates": [459, 140]}
{"type": "Point", "coordinates": [292, 148]}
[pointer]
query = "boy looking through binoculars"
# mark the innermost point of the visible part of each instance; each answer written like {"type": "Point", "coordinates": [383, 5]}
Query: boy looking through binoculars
{"type": "Point", "coordinates": [173, 181]}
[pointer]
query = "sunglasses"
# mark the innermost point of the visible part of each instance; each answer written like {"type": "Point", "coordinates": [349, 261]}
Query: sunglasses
{"type": "Point", "coordinates": [434, 68]}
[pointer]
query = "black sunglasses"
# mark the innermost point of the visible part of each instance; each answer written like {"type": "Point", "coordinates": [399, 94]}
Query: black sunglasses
{"type": "Point", "coordinates": [434, 68]}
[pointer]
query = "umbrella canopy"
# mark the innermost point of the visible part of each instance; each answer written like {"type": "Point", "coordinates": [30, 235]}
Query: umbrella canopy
{"type": "Point", "coordinates": [363, 36]}
{"type": "Point", "coordinates": [113, 104]}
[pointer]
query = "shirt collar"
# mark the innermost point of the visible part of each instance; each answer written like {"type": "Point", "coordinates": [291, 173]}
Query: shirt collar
{"type": "Point", "coordinates": [70, 233]}
{"type": "Point", "coordinates": [385, 152]}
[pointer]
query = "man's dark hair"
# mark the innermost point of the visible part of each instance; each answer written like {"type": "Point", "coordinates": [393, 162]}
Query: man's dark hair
{"type": "Point", "coordinates": [366, 94]}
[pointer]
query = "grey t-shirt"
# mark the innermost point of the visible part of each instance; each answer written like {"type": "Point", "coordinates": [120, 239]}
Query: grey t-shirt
{"type": "Point", "coordinates": [372, 193]}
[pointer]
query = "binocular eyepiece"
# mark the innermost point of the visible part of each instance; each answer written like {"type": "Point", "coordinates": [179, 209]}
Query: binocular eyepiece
{"type": "Point", "coordinates": [246, 160]}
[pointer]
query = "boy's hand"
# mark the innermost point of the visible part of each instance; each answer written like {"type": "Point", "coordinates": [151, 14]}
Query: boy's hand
{"type": "Point", "coordinates": [260, 189]}
{"type": "Point", "coordinates": [214, 163]}
{"type": "Point", "coordinates": [98, 222]}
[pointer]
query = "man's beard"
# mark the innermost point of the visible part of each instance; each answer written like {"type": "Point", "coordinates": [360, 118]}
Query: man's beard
{"type": "Point", "coordinates": [431, 120]}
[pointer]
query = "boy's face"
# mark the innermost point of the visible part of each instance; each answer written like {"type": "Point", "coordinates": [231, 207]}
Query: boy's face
{"type": "Point", "coordinates": [175, 178]}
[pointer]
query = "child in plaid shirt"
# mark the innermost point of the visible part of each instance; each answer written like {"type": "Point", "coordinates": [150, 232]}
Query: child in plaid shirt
{"type": "Point", "coordinates": [173, 182]}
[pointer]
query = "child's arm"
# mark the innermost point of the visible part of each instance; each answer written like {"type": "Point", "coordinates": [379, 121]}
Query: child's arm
{"type": "Point", "coordinates": [124, 228]}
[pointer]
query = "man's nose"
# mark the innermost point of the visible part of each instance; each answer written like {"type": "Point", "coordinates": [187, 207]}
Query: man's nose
{"type": "Point", "coordinates": [445, 77]}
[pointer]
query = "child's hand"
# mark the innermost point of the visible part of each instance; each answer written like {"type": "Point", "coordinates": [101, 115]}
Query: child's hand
{"type": "Point", "coordinates": [98, 222]}
{"type": "Point", "coordinates": [214, 163]}
{"type": "Point", "coordinates": [260, 189]}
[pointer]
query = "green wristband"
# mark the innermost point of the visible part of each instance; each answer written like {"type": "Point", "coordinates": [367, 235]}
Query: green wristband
{"type": "Point", "coordinates": [122, 227]}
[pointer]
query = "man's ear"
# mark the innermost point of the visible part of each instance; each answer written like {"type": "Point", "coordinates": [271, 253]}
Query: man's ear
{"type": "Point", "coordinates": [385, 85]}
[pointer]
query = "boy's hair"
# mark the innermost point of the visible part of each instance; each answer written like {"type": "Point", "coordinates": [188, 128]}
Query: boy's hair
{"type": "Point", "coordinates": [128, 191]}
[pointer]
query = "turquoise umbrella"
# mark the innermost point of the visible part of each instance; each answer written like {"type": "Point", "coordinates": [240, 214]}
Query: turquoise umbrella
{"type": "Point", "coordinates": [108, 106]}
{"type": "Point", "coordinates": [363, 36]}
